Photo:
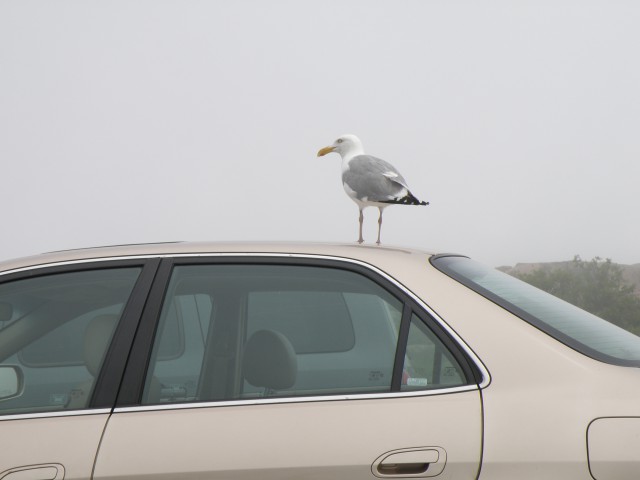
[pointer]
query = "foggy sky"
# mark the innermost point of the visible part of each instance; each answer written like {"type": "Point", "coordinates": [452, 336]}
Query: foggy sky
{"type": "Point", "coordinates": [137, 121]}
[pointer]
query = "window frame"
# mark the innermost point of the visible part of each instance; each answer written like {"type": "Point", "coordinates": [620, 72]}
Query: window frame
{"type": "Point", "coordinates": [130, 395]}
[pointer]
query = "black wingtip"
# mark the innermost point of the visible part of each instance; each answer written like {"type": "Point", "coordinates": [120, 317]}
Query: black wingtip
{"type": "Point", "coordinates": [406, 200]}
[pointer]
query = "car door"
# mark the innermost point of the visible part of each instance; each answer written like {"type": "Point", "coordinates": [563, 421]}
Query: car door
{"type": "Point", "coordinates": [58, 328]}
{"type": "Point", "coordinates": [276, 368]}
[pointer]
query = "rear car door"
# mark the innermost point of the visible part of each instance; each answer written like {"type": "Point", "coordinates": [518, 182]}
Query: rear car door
{"type": "Point", "coordinates": [274, 368]}
{"type": "Point", "coordinates": [65, 333]}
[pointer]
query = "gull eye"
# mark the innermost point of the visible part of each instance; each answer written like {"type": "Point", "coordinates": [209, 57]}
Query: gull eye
{"type": "Point", "coordinates": [340, 140]}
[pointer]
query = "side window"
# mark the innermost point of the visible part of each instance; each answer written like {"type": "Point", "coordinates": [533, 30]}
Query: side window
{"type": "Point", "coordinates": [427, 363]}
{"type": "Point", "coordinates": [343, 341]}
{"type": "Point", "coordinates": [255, 331]}
{"type": "Point", "coordinates": [54, 332]}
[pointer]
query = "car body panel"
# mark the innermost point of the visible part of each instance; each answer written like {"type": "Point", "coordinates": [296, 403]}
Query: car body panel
{"type": "Point", "coordinates": [351, 251]}
{"type": "Point", "coordinates": [338, 439]}
{"type": "Point", "coordinates": [65, 444]}
{"type": "Point", "coordinates": [540, 382]}
{"type": "Point", "coordinates": [538, 398]}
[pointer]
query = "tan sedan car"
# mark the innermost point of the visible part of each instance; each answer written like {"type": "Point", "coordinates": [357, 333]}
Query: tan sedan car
{"type": "Point", "coordinates": [303, 361]}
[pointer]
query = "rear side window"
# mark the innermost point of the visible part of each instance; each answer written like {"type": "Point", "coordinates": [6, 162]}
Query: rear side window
{"type": "Point", "coordinates": [567, 323]}
{"type": "Point", "coordinates": [269, 330]}
{"type": "Point", "coordinates": [55, 330]}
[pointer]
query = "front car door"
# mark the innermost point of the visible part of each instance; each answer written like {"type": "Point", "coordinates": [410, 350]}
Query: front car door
{"type": "Point", "coordinates": [274, 368]}
{"type": "Point", "coordinates": [57, 326]}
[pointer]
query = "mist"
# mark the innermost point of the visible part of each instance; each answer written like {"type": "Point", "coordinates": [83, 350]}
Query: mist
{"type": "Point", "coordinates": [147, 121]}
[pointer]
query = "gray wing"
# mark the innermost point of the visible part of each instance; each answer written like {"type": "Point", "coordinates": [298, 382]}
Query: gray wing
{"type": "Point", "coordinates": [374, 179]}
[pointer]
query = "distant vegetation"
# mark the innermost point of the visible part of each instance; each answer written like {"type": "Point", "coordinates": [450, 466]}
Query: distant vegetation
{"type": "Point", "coordinates": [597, 286]}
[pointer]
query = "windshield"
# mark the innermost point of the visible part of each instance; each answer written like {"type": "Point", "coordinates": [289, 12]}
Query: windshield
{"type": "Point", "coordinates": [580, 330]}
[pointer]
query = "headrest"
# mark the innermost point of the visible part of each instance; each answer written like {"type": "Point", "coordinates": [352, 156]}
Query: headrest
{"type": "Point", "coordinates": [96, 340]}
{"type": "Point", "coordinates": [270, 361]}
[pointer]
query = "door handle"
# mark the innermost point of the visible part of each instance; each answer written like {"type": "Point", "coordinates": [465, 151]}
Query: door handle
{"type": "Point", "coordinates": [410, 463]}
{"type": "Point", "coordinates": [48, 471]}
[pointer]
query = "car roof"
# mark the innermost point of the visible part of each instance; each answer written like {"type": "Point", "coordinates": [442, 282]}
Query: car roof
{"type": "Point", "coordinates": [365, 253]}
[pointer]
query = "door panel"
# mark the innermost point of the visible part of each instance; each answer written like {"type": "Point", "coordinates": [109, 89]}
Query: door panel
{"type": "Point", "coordinates": [64, 334]}
{"type": "Point", "coordinates": [274, 370]}
{"type": "Point", "coordinates": [30, 445]}
{"type": "Point", "coordinates": [338, 439]}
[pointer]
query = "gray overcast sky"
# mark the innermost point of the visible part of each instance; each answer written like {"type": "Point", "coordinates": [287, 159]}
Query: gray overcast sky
{"type": "Point", "coordinates": [151, 120]}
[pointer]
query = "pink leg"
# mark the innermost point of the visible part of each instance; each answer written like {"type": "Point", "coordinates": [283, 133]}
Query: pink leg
{"type": "Point", "coordinates": [360, 219]}
{"type": "Point", "coordinates": [379, 225]}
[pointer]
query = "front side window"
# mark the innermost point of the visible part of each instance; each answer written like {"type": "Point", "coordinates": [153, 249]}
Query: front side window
{"type": "Point", "coordinates": [567, 323]}
{"type": "Point", "coordinates": [265, 330]}
{"type": "Point", "coordinates": [54, 332]}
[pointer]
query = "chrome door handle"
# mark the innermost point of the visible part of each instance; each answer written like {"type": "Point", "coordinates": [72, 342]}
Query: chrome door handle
{"type": "Point", "coordinates": [411, 463]}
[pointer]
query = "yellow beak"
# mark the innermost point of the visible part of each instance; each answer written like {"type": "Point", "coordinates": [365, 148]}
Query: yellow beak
{"type": "Point", "coordinates": [325, 150]}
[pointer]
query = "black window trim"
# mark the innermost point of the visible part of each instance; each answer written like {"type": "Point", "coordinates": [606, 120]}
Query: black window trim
{"type": "Point", "coordinates": [133, 380]}
{"type": "Point", "coordinates": [130, 393]}
{"type": "Point", "coordinates": [110, 378]}
{"type": "Point", "coordinates": [401, 347]}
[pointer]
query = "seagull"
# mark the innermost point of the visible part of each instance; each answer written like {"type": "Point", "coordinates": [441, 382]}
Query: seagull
{"type": "Point", "coordinates": [369, 181]}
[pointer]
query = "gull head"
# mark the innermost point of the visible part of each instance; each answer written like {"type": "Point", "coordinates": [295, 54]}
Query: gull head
{"type": "Point", "coordinates": [346, 145]}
